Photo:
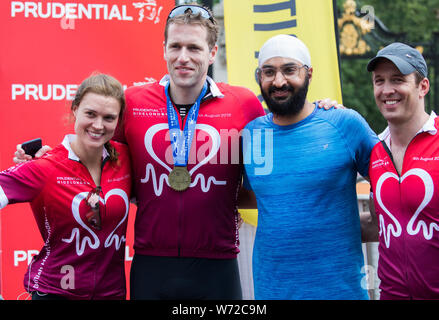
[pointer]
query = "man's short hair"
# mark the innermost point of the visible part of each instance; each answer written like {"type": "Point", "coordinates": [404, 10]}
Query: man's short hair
{"type": "Point", "coordinates": [418, 77]}
{"type": "Point", "coordinates": [189, 18]}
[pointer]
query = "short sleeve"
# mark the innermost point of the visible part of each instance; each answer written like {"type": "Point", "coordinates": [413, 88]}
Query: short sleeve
{"type": "Point", "coordinates": [22, 183]}
{"type": "Point", "coordinates": [361, 138]}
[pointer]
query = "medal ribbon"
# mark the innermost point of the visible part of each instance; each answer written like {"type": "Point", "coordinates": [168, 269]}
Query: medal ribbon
{"type": "Point", "coordinates": [181, 141]}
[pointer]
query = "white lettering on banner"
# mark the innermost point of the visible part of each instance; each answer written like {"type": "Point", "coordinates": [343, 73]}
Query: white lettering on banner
{"type": "Point", "coordinates": [57, 10]}
{"type": "Point", "coordinates": [43, 92]}
{"type": "Point", "coordinates": [22, 255]}
{"type": "Point", "coordinates": [147, 10]}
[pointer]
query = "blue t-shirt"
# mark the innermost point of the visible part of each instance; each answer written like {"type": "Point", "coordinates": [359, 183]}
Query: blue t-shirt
{"type": "Point", "coordinates": [308, 239]}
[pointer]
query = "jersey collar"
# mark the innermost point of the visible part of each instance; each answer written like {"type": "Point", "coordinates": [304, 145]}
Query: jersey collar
{"type": "Point", "coordinates": [69, 138]}
{"type": "Point", "coordinates": [427, 127]}
{"type": "Point", "coordinates": [214, 90]}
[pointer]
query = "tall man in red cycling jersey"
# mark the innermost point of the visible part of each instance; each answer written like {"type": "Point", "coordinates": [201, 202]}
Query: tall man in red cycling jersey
{"type": "Point", "coordinates": [183, 136]}
{"type": "Point", "coordinates": [404, 170]}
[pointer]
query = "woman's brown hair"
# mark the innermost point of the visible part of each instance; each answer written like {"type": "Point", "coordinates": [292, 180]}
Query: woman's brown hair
{"type": "Point", "coordinates": [105, 85]}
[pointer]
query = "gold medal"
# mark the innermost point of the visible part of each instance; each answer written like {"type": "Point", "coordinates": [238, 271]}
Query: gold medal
{"type": "Point", "coordinates": [179, 178]}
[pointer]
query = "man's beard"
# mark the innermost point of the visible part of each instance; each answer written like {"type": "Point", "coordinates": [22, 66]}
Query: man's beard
{"type": "Point", "coordinates": [293, 105]}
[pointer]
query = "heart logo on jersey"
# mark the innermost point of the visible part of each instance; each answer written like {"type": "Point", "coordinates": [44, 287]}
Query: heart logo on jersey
{"type": "Point", "coordinates": [158, 182]}
{"type": "Point", "coordinates": [94, 242]}
{"type": "Point", "coordinates": [394, 228]}
{"type": "Point", "coordinates": [429, 191]}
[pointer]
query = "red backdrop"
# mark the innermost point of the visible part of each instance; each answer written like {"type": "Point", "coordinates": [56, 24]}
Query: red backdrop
{"type": "Point", "coordinates": [47, 49]}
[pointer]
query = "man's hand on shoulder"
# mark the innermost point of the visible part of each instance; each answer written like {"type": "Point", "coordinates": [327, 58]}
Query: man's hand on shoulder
{"type": "Point", "coordinates": [328, 104]}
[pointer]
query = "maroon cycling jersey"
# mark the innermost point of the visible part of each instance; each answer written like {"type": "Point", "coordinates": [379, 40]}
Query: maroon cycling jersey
{"type": "Point", "coordinates": [202, 220]}
{"type": "Point", "coordinates": [407, 207]}
{"type": "Point", "coordinates": [77, 260]}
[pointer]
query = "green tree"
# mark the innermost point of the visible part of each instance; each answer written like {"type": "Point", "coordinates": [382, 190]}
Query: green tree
{"type": "Point", "coordinates": [417, 19]}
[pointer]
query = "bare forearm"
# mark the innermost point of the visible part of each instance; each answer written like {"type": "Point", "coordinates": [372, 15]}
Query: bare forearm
{"type": "Point", "coordinates": [369, 224]}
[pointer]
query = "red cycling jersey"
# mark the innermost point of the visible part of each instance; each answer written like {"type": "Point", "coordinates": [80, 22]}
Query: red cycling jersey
{"type": "Point", "coordinates": [200, 222]}
{"type": "Point", "coordinates": [77, 261]}
{"type": "Point", "coordinates": [407, 207]}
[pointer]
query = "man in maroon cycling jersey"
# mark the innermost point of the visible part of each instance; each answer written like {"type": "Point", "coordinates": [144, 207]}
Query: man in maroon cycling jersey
{"type": "Point", "coordinates": [183, 136]}
{"type": "Point", "coordinates": [404, 170]}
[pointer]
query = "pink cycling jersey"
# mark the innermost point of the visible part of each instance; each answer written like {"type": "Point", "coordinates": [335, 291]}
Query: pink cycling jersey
{"type": "Point", "coordinates": [202, 220]}
{"type": "Point", "coordinates": [77, 261]}
{"type": "Point", "coordinates": [407, 207]}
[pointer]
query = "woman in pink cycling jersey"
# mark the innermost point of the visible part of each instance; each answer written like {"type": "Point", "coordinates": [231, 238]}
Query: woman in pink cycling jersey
{"type": "Point", "coordinates": [79, 193]}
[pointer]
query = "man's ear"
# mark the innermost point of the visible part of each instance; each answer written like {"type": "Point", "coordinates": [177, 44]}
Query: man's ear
{"type": "Point", "coordinates": [213, 53]}
{"type": "Point", "coordinates": [164, 50]}
{"type": "Point", "coordinates": [75, 111]}
{"type": "Point", "coordinates": [258, 76]}
{"type": "Point", "coordinates": [424, 87]}
{"type": "Point", "coordinates": [310, 70]}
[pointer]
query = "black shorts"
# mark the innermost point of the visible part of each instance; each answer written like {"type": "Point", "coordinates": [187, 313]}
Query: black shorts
{"type": "Point", "coordinates": [175, 278]}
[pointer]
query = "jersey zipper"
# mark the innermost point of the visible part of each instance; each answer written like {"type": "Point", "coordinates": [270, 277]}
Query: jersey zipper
{"type": "Point", "coordinates": [180, 223]}
{"type": "Point", "coordinates": [180, 210]}
{"type": "Point", "coordinates": [389, 152]}
{"type": "Point", "coordinates": [100, 249]}
{"type": "Point", "coordinates": [180, 198]}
